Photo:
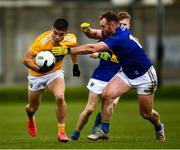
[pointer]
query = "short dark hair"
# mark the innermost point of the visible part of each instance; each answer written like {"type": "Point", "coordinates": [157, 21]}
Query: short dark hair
{"type": "Point", "coordinates": [61, 24]}
{"type": "Point", "coordinates": [109, 16]}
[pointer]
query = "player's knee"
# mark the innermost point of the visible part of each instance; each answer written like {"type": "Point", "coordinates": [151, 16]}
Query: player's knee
{"type": "Point", "coordinates": [33, 109]}
{"type": "Point", "coordinates": [90, 110]}
{"type": "Point", "coordinates": [59, 98]}
{"type": "Point", "coordinates": [106, 95]}
{"type": "Point", "coordinates": [146, 115]}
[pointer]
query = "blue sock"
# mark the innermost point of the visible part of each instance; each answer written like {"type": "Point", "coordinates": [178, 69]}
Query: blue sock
{"type": "Point", "coordinates": [75, 135]}
{"type": "Point", "coordinates": [159, 128]}
{"type": "Point", "coordinates": [98, 120]}
{"type": "Point", "coordinates": [105, 127]}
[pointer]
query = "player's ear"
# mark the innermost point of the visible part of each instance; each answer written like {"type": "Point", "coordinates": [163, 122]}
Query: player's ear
{"type": "Point", "coordinates": [66, 31]}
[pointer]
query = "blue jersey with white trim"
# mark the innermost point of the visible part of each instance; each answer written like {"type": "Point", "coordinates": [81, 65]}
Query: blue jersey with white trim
{"type": "Point", "coordinates": [106, 69]}
{"type": "Point", "coordinates": [129, 52]}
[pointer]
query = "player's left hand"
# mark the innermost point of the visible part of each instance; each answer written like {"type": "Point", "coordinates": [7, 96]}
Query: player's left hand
{"type": "Point", "coordinates": [76, 71]}
{"type": "Point", "coordinates": [60, 50]}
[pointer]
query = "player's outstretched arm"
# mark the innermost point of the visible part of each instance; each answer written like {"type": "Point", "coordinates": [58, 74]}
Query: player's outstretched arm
{"type": "Point", "coordinates": [76, 70]}
{"type": "Point", "coordinates": [90, 32]}
{"type": "Point", "coordinates": [80, 50]}
{"type": "Point", "coordinates": [28, 60]}
{"type": "Point", "coordinates": [102, 55]}
{"type": "Point", "coordinates": [89, 48]}
{"type": "Point", "coordinates": [70, 41]}
{"type": "Point", "coordinates": [94, 55]}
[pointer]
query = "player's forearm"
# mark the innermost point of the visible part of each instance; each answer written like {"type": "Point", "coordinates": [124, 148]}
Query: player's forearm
{"type": "Point", "coordinates": [84, 49]}
{"type": "Point", "coordinates": [94, 55]}
{"type": "Point", "coordinates": [74, 58]}
{"type": "Point", "coordinates": [89, 48]}
{"type": "Point", "coordinates": [30, 64]}
{"type": "Point", "coordinates": [93, 33]}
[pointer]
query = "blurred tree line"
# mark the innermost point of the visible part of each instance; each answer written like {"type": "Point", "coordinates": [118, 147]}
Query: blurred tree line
{"type": "Point", "coordinates": [22, 21]}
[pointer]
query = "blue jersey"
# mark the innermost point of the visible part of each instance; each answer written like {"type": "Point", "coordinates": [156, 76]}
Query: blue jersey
{"type": "Point", "coordinates": [106, 69]}
{"type": "Point", "coordinates": [129, 52]}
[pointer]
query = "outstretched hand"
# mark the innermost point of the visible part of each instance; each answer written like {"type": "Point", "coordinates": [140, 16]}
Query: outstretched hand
{"type": "Point", "coordinates": [104, 55]}
{"type": "Point", "coordinates": [85, 27]}
{"type": "Point", "coordinates": [60, 50]}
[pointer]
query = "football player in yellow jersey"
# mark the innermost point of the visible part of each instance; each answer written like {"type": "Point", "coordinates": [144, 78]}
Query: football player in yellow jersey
{"type": "Point", "coordinates": [51, 77]}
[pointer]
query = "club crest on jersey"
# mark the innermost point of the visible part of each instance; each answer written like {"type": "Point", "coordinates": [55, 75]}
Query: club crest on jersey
{"type": "Point", "coordinates": [92, 84]}
{"type": "Point", "coordinates": [30, 85]}
{"type": "Point", "coordinates": [122, 27]}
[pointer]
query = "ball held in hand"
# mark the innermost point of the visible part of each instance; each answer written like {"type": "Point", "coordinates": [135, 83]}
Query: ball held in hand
{"type": "Point", "coordinates": [43, 56]}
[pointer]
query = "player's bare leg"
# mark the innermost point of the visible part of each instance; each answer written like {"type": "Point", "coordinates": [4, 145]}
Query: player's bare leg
{"type": "Point", "coordinates": [83, 118]}
{"type": "Point", "coordinates": [147, 112]}
{"type": "Point", "coordinates": [97, 123]}
{"type": "Point", "coordinates": [115, 102]}
{"type": "Point", "coordinates": [57, 87]}
{"type": "Point", "coordinates": [31, 108]}
{"type": "Point", "coordinates": [115, 88]}
{"type": "Point", "coordinates": [90, 107]}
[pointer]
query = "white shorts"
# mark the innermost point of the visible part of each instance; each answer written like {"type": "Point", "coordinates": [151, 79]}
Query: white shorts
{"type": "Point", "coordinates": [145, 84]}
{"type": "Point", "coordinates": [40, 83]}
{"type": "Point", "coordinates": [96, 86]}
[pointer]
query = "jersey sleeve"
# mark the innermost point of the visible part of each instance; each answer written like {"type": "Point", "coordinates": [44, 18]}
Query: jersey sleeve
{"type": "Point", "coordinates": [69, 40]}
{"type": "Point", "coordinates": [36, 46]}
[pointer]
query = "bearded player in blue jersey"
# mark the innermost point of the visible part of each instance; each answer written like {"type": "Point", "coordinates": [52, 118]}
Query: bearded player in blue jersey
{"type": "Point", "coordinates": [106, 69]}
{"type": "Point", "coordinates": [137, 73]}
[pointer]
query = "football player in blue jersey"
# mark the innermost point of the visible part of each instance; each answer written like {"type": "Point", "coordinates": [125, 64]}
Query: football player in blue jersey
{"type": "Point", "coordinates": [106, 69]}
{"type": "Point", "coordinates": [137, 73]}
{"type": "Point", "coordinates": [124, 20]}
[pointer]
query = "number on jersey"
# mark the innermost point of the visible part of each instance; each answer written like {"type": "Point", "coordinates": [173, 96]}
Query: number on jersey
{"type": "Point", "coordinates": [134, 39]}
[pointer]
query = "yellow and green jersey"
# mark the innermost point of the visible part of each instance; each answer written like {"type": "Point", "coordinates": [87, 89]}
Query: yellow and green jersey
{"type": "Point", "coordinates": [44, 43]}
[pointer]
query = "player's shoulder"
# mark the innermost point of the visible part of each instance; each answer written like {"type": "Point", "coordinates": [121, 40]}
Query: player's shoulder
{"type": "Point", "coordinates": [70, 35]}
{"type": "Point", "coordinates": [122, 34]}
{"type": "Point", "coordinates": [137, 39]}
{"type": "Point", "coordinates": [69, 40]}
{"type": "Point", "coordinates": [122, 31]}
{"type": "Point", "coordinates": [44, 34]}
{"type": "Point", "coordinates": [44, 37]}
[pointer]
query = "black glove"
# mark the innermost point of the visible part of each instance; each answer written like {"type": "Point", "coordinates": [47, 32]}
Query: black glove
{"type": "Point", "coordinates": [59, 58]}
{"type": "Point", "coordinates": [45, 68]}
{"type": "Point", "coordinates": [76, 71]}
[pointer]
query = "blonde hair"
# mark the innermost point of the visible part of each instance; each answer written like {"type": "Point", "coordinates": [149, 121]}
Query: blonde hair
{"type": "Point", "coordinates": [123, 15]}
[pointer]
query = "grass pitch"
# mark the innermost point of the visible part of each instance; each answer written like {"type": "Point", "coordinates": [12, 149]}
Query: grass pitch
{"type": "Point", "coordinates": [128, 129]}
